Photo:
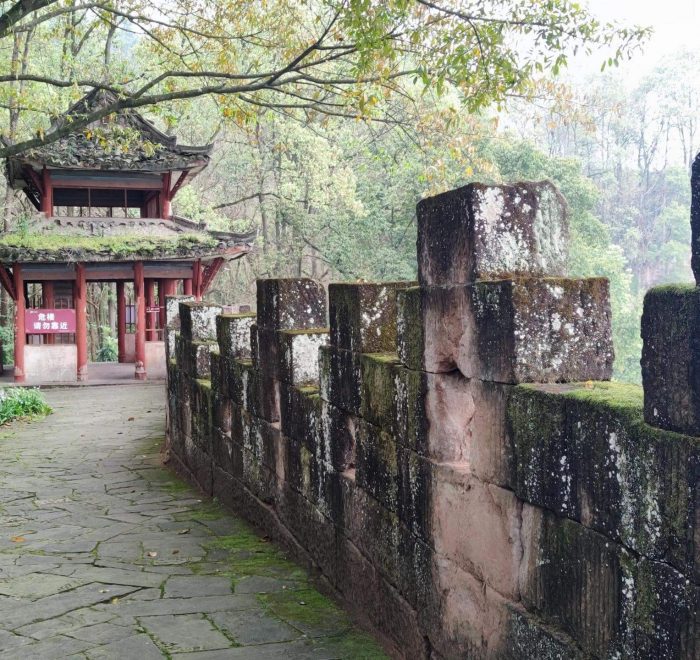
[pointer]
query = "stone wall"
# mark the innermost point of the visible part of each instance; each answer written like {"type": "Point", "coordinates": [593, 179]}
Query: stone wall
{"type": "Point", "coordinates": [448, 455]}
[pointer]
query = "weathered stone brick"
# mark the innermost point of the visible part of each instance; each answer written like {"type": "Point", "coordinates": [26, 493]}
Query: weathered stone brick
{"type": "Point", "coordinates": [465, 616]}
{"type": "Point", "coordinates": [430, 325]}
{"type": "Point", "coordinates": [197, 357]}
{"type": "Point", "coordinates": [300, 413]}
{"type": "Point", "coordinates": [476, 525]}
{"type": "Point", "coordinates": [291, 304]}
{"type": "Point", "coordinates": [233, 334]}
{"type": "Point", "coordinates": [695, 219]}
{"type": "Point", "coordinates": [527, 637]}
{"type": "Point", "coordinates": [482, 231]}
{"type": "Point", "coordinates": [172, 322]}
{"type": "Point", "coordinates": [379, 398]}
{"type": "Point", "coordinates": [537, 330]}
{"type": "Point", "coordinates": [266, 358]}
{"type": "Point", "coordinates": [298, 355]}
{"type": "Point", "coordinates": [609, 601]}
{"type": "Point", "coordinates": [377, 465]}
{"type": "Point", "coordinates": [198, 320]}
{"type": "Point", "coordinates": [402, 558]}
{"type": "Point", "coordinates": [363, 316]}
{"type": "Point", "coordinates": [671, 358]}
{"type": "Point", "coordinates": [586, 453]}
{"type": "Point", "coordinates": [262, 396]}
{"type": "Point", "coordinates": [339, 429]}
{"type": "Point", "coordinates": [340, 378]}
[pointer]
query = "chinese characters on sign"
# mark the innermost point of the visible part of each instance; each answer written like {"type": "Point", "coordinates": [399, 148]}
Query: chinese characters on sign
{"type": "Point", "coordinates": [49, 321]}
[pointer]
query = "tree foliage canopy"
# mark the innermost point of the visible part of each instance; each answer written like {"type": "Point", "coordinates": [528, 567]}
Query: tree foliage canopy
{"type": "Point", "coordinates": [337, 57]}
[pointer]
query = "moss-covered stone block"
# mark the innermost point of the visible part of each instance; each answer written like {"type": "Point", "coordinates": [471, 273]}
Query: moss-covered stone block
{"type": "Point", "coordinates": [671, 358]}
{"type": "Point", "coordinates": [262, 396]}
{"type": "Point", "coordinates": [216, 371]}
{"type": "Point", "coordinates": [401, 557]}
{"type": "Point", "coordinates": [585, 452]}
{"type": "Point", "coordinates": [482, 231]}
{"type": "Point", "coordinates": [379, 398]}
{"type": "Point", "coordinates": [198, 320]}
{"type": "Point", "coordinates": [291, 304]}
{"type": "Point", "coordinates": [610, 602]}
{"type": "Point", "coordinates": [238, 373]}
{"type": "Point", "coordinates": [430, 325]}
{"type": "Point", "coordinates": [363, 315]}
{"type": "Point", "coordinates": [340, 378]}
{"type": "Point", "coordinates": [528, 637]}
{"type": "Point", "coordinates": [202, 414]}
{"type": "Point", "coordinates": [377, 464]}
{"type": "Point", "coordinates": [172, 322]}
{"type": "Point", "coordinates": [537, 330]}
{"type": "Point", "coordinates": [298, 355]}
{"type": "Point", "coordinates": [339, 431]}
{"type": "Point", "coordinates": [266, 357]}
{"type": "Point", "coordinates": [233, 334]}
{"type": "Point", "coordinates": [197, 358]}
{"type": "Point", "coordinates": [222, 450]}
{"type": "Point", "coordinates": [300, 413]}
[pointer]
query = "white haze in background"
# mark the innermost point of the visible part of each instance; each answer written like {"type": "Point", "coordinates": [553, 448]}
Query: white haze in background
{"type": "Point", "coordinates": [676, 26]}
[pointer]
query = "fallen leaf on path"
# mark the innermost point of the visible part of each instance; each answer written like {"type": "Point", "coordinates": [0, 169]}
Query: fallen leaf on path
{"type": "Point", "coordinates": [17, 539]}
{"type": "Point", "coordinates": [152, 554]}
{"type": "Point", "coordinates": [184, 531]}
{"type": "Point", "coordinates": [131, 419]}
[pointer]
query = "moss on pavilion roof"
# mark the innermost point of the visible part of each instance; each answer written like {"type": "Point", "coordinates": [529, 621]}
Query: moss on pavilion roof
{"type": "Point", "coordinates": [30, 247]}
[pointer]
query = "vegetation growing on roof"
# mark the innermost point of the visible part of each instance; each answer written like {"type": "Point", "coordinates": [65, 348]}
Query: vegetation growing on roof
{"type": "Point", "coordinates": [22, 246]}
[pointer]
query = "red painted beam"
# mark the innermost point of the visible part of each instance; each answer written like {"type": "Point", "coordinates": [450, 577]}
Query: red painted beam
{"type": "Point", "coordinates": [210, 272]}
{"type": "Point", "coordinates": [178, 184]}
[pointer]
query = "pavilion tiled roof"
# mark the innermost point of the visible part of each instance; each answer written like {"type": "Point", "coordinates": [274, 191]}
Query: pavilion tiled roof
{"type": "Point", "coordinates": [124, 142]}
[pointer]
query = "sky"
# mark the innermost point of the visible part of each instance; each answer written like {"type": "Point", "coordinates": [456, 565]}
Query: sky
{"type": "Point", "coordinates": [676, 24]}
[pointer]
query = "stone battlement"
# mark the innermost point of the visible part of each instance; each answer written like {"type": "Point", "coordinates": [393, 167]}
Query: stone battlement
{"type": "Point", "coordinates": [449, 456]}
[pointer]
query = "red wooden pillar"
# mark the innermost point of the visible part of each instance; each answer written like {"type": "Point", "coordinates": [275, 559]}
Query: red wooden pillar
{"type": "Point", "coordinates": [81, 321]}
{"type": "Point", "coordinates": [48, 302]}
{"type": "Point", "coordinates": [46, 193]}
{"type": "Point", "coordinates": [187, 287]}
{"type": "Point", "coordinates": [121, 321]}
{"type": "Point", "coordinates": [197, 280]}
{"type": "Point", "coordinates": [20, 330]}
{"type": "Point", "coordinates": [150, 304]}
{"type": "Point", "coordinates": [140, 299]}
{"type": "Point", "coordinates": [165, 207]}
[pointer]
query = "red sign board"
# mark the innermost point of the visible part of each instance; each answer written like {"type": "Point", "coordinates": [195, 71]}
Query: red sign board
{"type": "Point", "coordinates": [49, 321]}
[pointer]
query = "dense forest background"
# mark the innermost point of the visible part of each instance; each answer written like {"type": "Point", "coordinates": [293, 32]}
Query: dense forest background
{"type": "Point", "coordinates": [334, 197]}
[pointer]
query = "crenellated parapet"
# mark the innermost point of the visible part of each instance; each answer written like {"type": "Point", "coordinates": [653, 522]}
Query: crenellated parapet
{"type": "Point", "coordinates": [448, 454]}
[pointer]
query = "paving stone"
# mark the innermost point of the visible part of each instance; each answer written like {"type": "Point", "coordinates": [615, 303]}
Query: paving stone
{"type": "Point", "coordinates": [59, 646]}
{"type": "Point", "coordinates": [254, 627]}
{"type": "Point", "coordinates": [101, 633]}
{"type": "Point", "coordinates": [198, 585]}
{"type": "Point", "coordinates": [117, 527]}
{"type": "Point", "coordinates": [137, 646]}
{"type": "Point", "coordinates": [185, 632]}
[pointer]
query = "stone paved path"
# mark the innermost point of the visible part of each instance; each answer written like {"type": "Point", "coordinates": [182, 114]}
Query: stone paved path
{"type": "Point", "coordinates": [105, 554]}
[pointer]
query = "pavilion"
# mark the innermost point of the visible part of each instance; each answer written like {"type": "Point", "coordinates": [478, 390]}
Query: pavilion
{"type": "Point", "coordinates": [103, 214]}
